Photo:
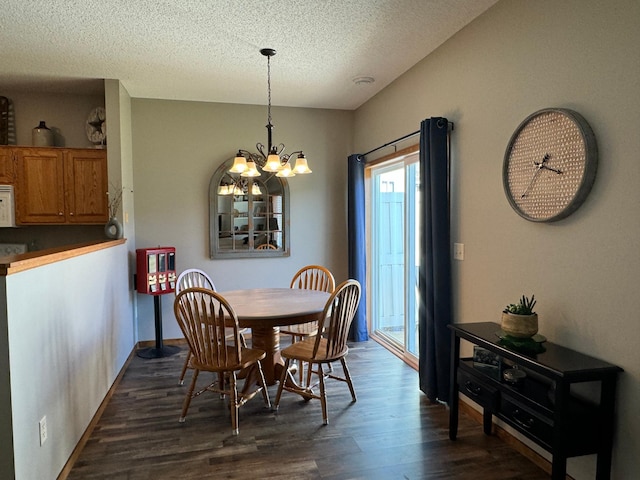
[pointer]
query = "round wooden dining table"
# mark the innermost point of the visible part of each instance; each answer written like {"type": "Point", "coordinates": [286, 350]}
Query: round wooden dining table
{"type": "Point", "coordinates": [264, 310]}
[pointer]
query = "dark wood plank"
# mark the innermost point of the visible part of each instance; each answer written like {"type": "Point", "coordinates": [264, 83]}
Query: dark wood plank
{"type": "Point", "coordinates": [391, 432]}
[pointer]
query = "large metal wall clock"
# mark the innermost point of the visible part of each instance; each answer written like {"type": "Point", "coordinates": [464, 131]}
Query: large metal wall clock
{"type": "Point", "coordinates": [550, 165]}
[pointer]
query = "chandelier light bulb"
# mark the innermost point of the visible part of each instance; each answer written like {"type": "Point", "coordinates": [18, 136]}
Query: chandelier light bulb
{"type": "Point", "coordinates": [286, 171]}
{"type": "Point", "coordinates": [251, 170]}
{"type": "Point", "coordinates": [255, 189]}
{"type": "Point", "coordinates": [301, 167]}
{"type": "Point", "coordinates": [273, 163]}
{"type": "Point", "coordinates": [239, 164]}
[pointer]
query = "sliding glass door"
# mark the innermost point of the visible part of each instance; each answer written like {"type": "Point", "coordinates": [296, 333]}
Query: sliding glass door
{"type": "Point", "coordinates": [393, 194]}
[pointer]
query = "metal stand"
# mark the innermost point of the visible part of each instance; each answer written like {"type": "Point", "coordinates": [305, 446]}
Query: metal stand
{"type": "Point", "coordinates": [159, 350]}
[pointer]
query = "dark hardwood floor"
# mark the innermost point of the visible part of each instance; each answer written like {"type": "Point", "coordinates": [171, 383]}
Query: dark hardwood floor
{"type": "Point", "coordinates": [391, 432]}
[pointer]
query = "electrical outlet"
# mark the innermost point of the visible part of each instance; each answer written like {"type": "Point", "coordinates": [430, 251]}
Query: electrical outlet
{"type": "Point", "coordinates": [43, 429]}
{"type": "Point", "coordinates": [458, 251]}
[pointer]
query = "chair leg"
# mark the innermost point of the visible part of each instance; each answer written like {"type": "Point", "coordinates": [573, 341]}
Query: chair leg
{"type": "Point", "coordinates": [184, 368]}
{"type": "Point", "coordinates": [301, 367]}
{"type": "Point", "coordinates": [347, 377]}
{"type": "Point", "coordinates": [233, 403]}
{"type": "Point", "coordinates": [323, 396]}
{"type": "Point", "coordinates": [263, 384]}
{"type": "Point", "coordinates": [283, 378]}
{"type": "Point", "coordinates": [221, 380]}
{"type": "Point", "coordinates": [299, 364]}
{"type": "Point", "coordinates": [309, 372]}
{"type": "Point", "coordinates": [189, 396]}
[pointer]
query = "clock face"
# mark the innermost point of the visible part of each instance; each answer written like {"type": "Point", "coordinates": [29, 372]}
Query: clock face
{"type": "Point", "coordinates": [550, 165]}
{"type": "Point", "coordinates": [96, 126]}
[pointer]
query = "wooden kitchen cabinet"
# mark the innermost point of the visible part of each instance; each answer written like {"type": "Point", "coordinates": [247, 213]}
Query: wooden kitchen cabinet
{"type": "Point", "coordinates": [61, 186]}
{"type": "Point", "coordinates": [7, 166]}
{"type": "Point", "coordinates": [86, 186]}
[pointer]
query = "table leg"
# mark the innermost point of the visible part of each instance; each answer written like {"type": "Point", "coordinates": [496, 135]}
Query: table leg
{"type": "Point", "coordinates": [268, 339]}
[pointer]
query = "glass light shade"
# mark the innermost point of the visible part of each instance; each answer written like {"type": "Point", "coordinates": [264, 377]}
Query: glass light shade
{"type": "Point", "coordinates": [237, 190]}
{"type": "Point", "coordinates": [251, 170]}
{"type": "Point", "coordinates": [255, 189]}
{"type": "Point", "coordinates": [301, 166]}
{"type": "Point", "coordinates": [286, 171]}
{"type": "Point", "coordinates": [225, 190]}
{"type": "Point", "coordinates": [273, 163]}
{"type": "Point", "coordinates": [239, 164]}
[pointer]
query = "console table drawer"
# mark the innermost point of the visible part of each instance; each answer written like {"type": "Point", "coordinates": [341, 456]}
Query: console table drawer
{"type": "Point", "coordinates": [532, 425]}
{"type": "Point", "coordinates": [481, 393]}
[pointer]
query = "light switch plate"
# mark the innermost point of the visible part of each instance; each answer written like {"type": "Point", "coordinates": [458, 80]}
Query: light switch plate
{"type": "Point", "coordinates": [458, 251]}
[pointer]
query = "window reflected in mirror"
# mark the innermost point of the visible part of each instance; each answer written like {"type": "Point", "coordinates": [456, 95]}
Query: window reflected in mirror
{"type": "Point", "coordinates": [249, 217]}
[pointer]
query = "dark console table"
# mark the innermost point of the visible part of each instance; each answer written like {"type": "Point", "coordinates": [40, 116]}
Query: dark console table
{"type": "Point", "coordinates": [545, 406]}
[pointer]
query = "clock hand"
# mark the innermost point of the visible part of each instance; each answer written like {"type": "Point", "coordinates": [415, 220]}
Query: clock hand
{"type": "Point", "coordinates": [552, 169]}
{"type": "Point", "coordinates": [539, 167]}
{"type": "Point", "coordinates": [543, 164]}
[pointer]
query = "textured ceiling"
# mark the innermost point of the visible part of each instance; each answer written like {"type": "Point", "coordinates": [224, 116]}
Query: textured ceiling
{"type": "Point", "coordinates": [208, 50]}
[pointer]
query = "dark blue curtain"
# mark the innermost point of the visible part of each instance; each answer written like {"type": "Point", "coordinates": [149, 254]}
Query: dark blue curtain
{"type": "Point", "coordinates": [434, 277]}
{"type": "Point", "coordinates": [357, 243]}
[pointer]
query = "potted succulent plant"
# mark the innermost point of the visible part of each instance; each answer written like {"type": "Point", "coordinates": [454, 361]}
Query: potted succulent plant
{"type": "Point", "coordinates": [519, 320]}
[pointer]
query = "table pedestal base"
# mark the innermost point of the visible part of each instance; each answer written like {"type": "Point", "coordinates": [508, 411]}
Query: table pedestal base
{"type": "Point", "coordinates": [154, 352]}
{"type": "Point", "coordinates": [268, 339]}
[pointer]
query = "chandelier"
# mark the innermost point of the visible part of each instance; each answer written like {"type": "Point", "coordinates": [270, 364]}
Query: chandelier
{"type": "Point", "coordinates": [273, 160]}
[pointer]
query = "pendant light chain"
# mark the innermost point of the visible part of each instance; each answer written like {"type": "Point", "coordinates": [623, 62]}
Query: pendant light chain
{"type": "Point", "coordinates": [269, 90]}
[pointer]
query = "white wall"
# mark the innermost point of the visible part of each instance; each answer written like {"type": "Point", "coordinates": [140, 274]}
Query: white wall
{"type": "Point", "coordinates": [519, 57]}
{"type": "Point", "coordinates": [69, 335]}
{"type": "Point", "coordinates": [177, 148]}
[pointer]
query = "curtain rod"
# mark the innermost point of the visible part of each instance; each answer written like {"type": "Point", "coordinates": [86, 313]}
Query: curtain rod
{"type": "Point", "coordinates": [393, 142]}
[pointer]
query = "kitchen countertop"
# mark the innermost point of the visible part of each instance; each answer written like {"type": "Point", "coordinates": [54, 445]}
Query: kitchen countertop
{"type": "Point", "coordinates": [25, 261]}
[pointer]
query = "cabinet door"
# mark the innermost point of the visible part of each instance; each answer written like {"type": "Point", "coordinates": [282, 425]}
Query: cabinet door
{"type": "Point", "coordinates": [86, 186]}
{"type": "Point", "coordinates": [7, 166]}
{"type": "Point", "coordinates": [40, 189]}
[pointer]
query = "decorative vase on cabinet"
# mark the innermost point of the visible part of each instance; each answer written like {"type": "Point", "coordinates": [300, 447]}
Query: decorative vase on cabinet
{"type": "Point", "coordinates": [113, 228]}
{"type": "Point", "coordinates": [42, 136]}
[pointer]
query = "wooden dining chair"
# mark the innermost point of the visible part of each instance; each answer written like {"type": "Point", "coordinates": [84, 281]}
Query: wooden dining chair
{"type": "Point", "coordinates": [266, 246]}
{"type": "Point", "coordinates": [326, 348]}
{"type": "Point", "coordinates": [206, 318]}
{"type": "Point", "coordinates": [311, 277]}
{"type": "Point", "coordinates": [190, 278]}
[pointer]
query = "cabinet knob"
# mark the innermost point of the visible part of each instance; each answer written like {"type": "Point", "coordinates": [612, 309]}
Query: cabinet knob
{"type": "Point", "coordinates": [60, 214]}
{"type": "Point", "coordinates": [525, 421]}
{"type": "Point", "coordinates": [473, 389]}
{"type": "Point", "coordinates": [71, 214]}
